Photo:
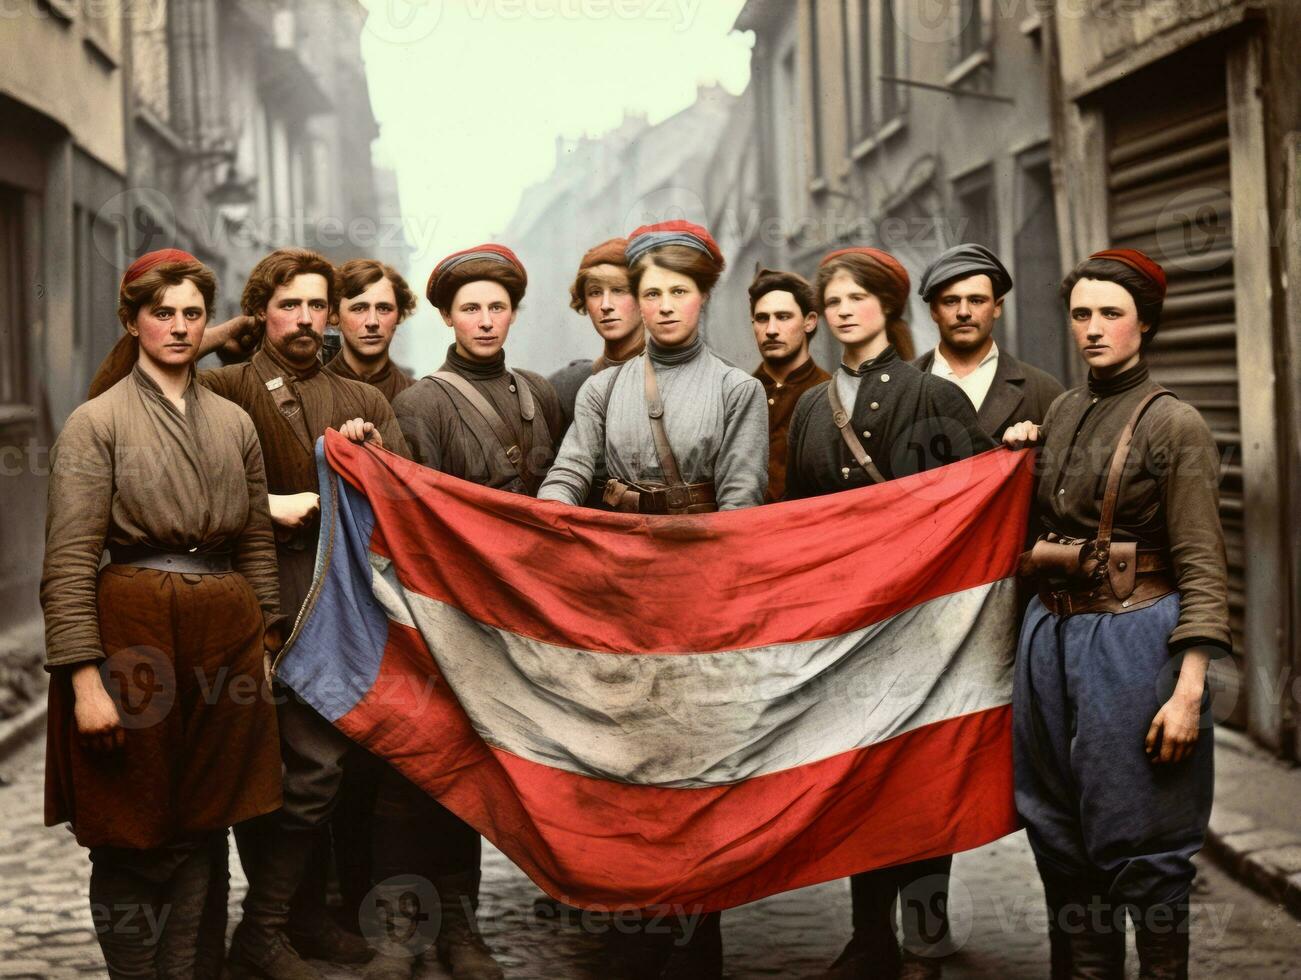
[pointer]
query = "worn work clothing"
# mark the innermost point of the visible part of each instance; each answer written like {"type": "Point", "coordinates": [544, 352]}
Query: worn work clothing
{"type": "Point", "coordinates": [390, 380]}
{"type": "Point", "coordinates": [1017, 392]}
{"type": "Point", "coordinates": [1095, 807]}
{"type": "Point", "coordinates": [445, 436]}
{"type": "Point", "coordinates": [1169, 492]}
{"type": "Point", "coordinates": [782, 397]}
{"type": "Point", "coordinates": [201, 751]}
{"type": "Point", "coordinates": [715, 416]}
{"type": "Point", "coordinates": [132, 469]}
{"type": "Point", "coordinates": [907, 420]}
{"type": "Point", "coordinates": [572, 376]}
{"type": "Point", "coordinates": [289, 445]}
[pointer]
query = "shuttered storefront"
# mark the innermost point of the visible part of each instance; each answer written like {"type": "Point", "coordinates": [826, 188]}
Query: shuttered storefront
{"type": "Point", "coordinates": [1168, 184]}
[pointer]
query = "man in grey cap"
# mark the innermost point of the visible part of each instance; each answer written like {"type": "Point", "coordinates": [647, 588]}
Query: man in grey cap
{"type": "Point", "coordinates": [965, 288]}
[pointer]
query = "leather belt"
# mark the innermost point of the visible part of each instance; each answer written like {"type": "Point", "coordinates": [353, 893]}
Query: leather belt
{"type": "Point", "coordinates": [684, 498]}
{"type": "Point", "coordinates": [187, 562]}
{"type": "Point", "coordinates": [1149, 587]}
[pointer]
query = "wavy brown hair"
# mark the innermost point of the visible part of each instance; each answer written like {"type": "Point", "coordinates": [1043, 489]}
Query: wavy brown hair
{"type": "Point", "coordinates": [357, 275]}
{"type": "Point", "coordinates": [144, 291]}
{"type": "Point", "coordinates": [279, 268]}
{"type": "Point", "coordinates": [877, 281]}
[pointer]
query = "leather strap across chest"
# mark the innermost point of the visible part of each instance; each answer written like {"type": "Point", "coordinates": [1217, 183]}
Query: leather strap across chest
{"type": "Point", "coordinates": [284, 392]}
{"type": "Point", "coordinates": [1119, 462]}
{"type": "Point", "coordinates": [844, 422]}
{"type": "Point", "coordinates": [501, 431]}
{"type": "Point", "coordinates": [655, 411]}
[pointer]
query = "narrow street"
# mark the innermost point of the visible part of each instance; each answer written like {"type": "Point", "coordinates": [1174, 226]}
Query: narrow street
{"type": "Point", "coordinates": [46, 932]}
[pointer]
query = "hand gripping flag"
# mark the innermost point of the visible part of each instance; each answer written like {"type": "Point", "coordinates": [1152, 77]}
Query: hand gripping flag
{"type": "Point", "coordinates": [696, 711]}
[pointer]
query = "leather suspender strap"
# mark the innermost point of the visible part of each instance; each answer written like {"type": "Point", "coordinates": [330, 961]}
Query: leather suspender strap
{"type": "Point", "coordinates": [287, 401]}
{"type": "Point", "coordinates": [655, 409]}
{"type": "Point", "coordinates": [485, 409]}
{"type": "Point", "coordinates": [842, 420]}
{"type": "Point", "coordinates": [1119, 460]}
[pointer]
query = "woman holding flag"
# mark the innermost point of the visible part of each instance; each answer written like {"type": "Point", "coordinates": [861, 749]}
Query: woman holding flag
{"type": "Point", "coordinates": [1113, 765]}
{"type": "Point", "coordinates": [877, 419]}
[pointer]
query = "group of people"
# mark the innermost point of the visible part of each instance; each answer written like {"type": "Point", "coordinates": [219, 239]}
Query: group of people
{"type": "Point", "coordinates": [201, 486]}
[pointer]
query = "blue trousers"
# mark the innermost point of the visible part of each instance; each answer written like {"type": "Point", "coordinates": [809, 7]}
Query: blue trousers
{"type": "Point", "coordinates": [1094, 806]}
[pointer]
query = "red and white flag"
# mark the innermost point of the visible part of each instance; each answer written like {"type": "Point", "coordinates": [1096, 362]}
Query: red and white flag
{"type": "Point", "coordinates": [696, 711]}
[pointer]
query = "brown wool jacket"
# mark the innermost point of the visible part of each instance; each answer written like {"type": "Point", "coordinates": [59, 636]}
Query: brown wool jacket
{"type": "Point", "coordinates": [130, 469]}
{"type": "Point", "coordinates": [1169, 493]}
{"type": "Point", "coordinates": [391, 381]}
{"type": "Point", "coordinates": [782, 398]}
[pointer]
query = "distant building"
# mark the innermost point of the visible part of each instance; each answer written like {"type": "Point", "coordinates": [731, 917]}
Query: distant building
{"type": "Point", "coordinates": [226, 129]}
{"type": "Point", "coordinates": [601, 188]}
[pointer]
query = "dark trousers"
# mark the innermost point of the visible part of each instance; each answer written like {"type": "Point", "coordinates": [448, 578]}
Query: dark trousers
{"type": "Point", "coordinates": [414, 834]}
{"type": "Point", "coordinates": [147, 907]}
{"type": "Point", "coordinates": [922, 889]}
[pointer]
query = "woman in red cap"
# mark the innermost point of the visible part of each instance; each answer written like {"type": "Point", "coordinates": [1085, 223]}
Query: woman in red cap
{"type": "Point", "coordinates": [675, 429]}
{"type": "Point", "coordinates": [1111, 732]}
{"type": "Point", "coordinates": [877, 419]}
{"type": "Point", "coordinates": [158, 737]}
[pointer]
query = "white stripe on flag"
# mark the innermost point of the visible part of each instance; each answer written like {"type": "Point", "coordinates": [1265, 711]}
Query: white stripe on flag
{"type": "Point", "coordinates": [703, 719]}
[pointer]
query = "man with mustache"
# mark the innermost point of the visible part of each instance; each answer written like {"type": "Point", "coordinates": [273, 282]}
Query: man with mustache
{"type": "Point", "coordinates": [601, 290]}
{"type": "Point", "coordinates": [292, 401]}
{"type": "Point", "coordinates": [965, 288]}
{"type": "Point", "coordinates": [784, 318]}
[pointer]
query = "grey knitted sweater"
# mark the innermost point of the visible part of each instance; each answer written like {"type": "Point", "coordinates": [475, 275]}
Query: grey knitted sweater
{"type": "Point", "coordinates": [714, 414]}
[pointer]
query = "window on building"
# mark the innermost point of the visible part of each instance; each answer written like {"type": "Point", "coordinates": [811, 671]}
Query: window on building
{"type": "Point", "coordinates": [95, 328]}
{"type": "Point", "coordinates": [815, 88]}
{"type": "Point", "coordinates": [974, 195]}
{"type": "Point", "coordinates": [14, 367]}
{"type": "Point", "coordinates": [1037, 258]}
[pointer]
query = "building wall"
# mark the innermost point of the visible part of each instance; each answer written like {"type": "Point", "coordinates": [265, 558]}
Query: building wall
{"type": "Point", "coordinates": [62, 156]}
{"type": "Point", "coordinates": [1174, 131]}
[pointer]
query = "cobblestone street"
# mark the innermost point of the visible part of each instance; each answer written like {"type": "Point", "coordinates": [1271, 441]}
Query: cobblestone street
{"type": "Point", "coordinates": [45, 928]}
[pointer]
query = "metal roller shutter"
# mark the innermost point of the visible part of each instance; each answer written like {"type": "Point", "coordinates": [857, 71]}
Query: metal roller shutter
{"type": "Point", "coordinates": [1168, 182]}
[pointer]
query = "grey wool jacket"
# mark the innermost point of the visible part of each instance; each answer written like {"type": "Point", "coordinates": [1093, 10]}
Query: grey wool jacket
{"type": "Point", "coordinates": [715, 416]}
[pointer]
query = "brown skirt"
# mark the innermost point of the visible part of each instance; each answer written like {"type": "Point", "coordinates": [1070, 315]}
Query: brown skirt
{"type": "Point", "coordinates": [184, 665]}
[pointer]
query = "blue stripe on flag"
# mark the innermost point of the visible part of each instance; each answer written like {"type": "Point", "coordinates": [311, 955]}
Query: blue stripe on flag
{"type": "Point", "coordinates": [341, 614]}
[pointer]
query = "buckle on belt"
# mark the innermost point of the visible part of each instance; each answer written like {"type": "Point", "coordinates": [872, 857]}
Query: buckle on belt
{"type": "Point", "coordinates": [514, 454]}
{"type": "Point", "coordinates": [677, 497]}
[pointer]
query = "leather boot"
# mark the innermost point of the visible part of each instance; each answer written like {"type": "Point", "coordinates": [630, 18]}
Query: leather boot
{"type": "Point", "coordinates": [1163, 949]}
{"type": "Point", "coordinates": [1098, 944]}
{"type": "Point", "coordinates": [866, 956]}
{"type": "Point", "coordinates": [460, 947]}
{"type": "Point", "coordinates": [917, 966]}
{"type": "Point", "coordinates": [400, 918]}
{"type": "Point", "coordinates": [273, 860]}
{"type": "Point", "coordinates": [1058, 898]}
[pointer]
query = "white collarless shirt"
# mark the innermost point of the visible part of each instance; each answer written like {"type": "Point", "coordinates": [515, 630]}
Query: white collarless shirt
{"type": "Point", "coordinates": [976, 384]}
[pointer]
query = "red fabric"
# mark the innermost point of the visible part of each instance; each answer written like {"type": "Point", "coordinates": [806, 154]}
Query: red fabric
{"type": "Point", "coordinates": [686, 228]}
{"type": "Point", "coordinates": [501, 250]}
{"type": "Point", "coordinates": [530, 583]}
{"type": "Point", "coordinates": [884, 259]}
{"type": "Point", "coordinates": [940, 789]}
{"type": "Point", "coordinates": [607, 253]}
{"type": "Point", "coordinates": [151, 260]}
{"type": "Point", "coordinates": [1137, 261]}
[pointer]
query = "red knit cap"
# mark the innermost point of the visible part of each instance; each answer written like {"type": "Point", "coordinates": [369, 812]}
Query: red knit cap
{"type": "Point", "coordinates": [685, 233]}
{"type": "Point", "coordinates": [885, 260]}
{"type": "Point", "coordinates": [1137, 261]}
{"type": "Point", "coordinates": [607, 253]}
{"type": "Point", "coordinates": [493, 252]}
{"type": "Point", "coordinates": [151, 260]}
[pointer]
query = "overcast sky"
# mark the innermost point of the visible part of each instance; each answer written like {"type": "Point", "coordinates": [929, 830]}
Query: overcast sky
{"type": "Point", "coordinates": [471, 94]}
